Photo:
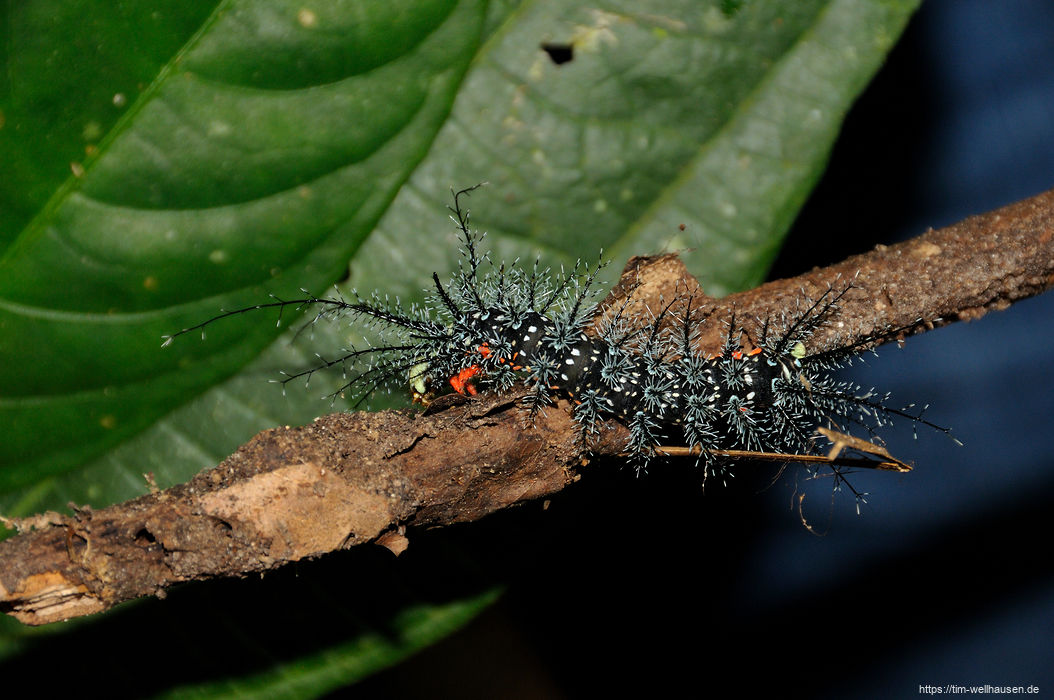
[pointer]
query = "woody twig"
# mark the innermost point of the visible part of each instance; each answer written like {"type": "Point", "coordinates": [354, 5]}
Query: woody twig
{"type": "Point", "coordinates": [353, 479]}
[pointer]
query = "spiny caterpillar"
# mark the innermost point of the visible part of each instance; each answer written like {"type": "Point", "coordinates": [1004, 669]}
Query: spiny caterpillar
{"type": "Point", "coordinates": [493, 326]}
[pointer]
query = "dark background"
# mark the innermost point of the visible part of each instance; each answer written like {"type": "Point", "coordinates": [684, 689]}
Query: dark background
{"type": "Point", "coordinates": [647, 585]}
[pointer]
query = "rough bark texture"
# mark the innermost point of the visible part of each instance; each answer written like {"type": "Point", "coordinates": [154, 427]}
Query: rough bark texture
{"type": "Point", "coordinates": [290, 494]}
{"type": "Point", "coordinates": [350, 479]}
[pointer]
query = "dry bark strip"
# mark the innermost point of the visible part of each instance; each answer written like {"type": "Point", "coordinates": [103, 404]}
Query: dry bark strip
{"type": "Point", "coordinates": [354, 478]}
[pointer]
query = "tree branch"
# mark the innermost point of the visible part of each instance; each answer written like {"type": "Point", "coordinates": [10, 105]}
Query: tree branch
{"type": "Point", "coordinates": [350, 479]}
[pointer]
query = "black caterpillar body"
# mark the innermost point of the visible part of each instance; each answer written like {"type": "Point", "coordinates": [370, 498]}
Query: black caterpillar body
{"type": "Point", "coordinates": [496, 326]}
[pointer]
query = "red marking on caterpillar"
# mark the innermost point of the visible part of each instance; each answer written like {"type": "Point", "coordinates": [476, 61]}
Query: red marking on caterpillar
{"type": "Point", "coordinates": [462, 381]}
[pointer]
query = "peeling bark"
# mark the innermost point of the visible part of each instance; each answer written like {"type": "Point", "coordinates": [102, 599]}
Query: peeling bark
{"type": "Point", "coordinates": [349, 479]}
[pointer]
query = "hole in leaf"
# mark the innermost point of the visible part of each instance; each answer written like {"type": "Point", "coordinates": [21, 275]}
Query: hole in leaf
{"type": "Point", "coordinates": [559, 53]}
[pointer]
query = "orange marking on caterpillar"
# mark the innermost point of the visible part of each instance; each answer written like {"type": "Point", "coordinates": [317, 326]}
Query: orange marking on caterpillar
{"type": "Point", "coordinates": [462, 381]}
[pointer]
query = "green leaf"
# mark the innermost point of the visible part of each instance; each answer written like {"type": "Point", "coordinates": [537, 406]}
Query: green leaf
{"type": "Point", "coordinates": [225, 151]}
{"type": "Point", "coordinates": [219, 180]}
